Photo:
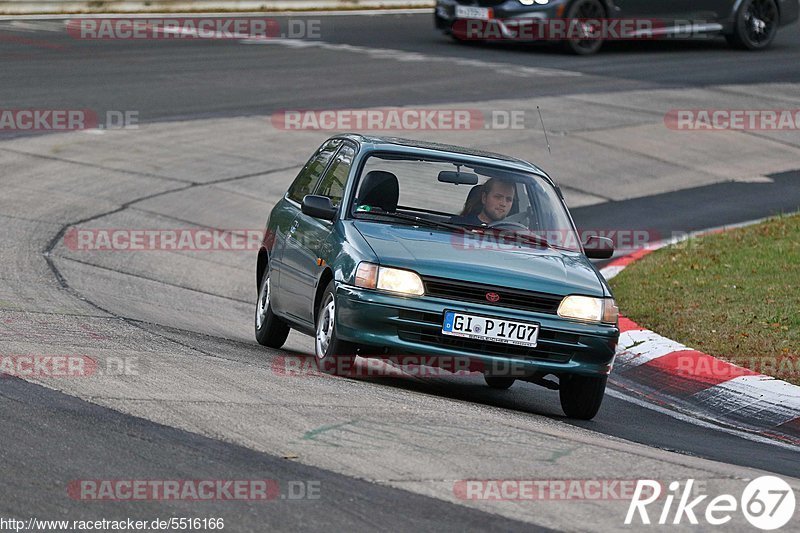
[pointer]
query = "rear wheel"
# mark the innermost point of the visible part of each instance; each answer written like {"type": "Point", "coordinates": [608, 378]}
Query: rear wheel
{"type": "Point", "coordinates": [585, 9]}
{"type": "Point", "coordinates": [581, 396]}
{"type": "Point", "coordinates": [755, 26]}
{"type": "Point", "coordinates": [334, 356]}
{"type": "Point", "coordinates": [499, 382]}
{"type": "Point", "coordinates": [270, 330]}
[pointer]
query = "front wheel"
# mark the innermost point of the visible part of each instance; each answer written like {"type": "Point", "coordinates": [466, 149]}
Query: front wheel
{"type": "Point", "coordinates": [581, 396]}
{"type": "Point", "coordinates": [755, 26]}
{"type": "Point", "coordinates": [334, 356]}
{"type": "Point", "coordinates": [583, 11]}
{"type": "Point", "coordinates": [270, 330]}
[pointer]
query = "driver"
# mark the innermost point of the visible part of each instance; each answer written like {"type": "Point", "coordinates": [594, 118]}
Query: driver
{"type": "Point", "coordinates": [493, 204]}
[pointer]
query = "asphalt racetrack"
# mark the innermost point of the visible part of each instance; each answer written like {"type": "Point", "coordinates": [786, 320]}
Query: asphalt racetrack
{"type": "Point", "coordinates": [202, 400]}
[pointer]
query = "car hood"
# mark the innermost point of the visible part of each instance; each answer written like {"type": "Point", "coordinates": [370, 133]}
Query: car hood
{"type": "Point", "coordinates": [445, 254]}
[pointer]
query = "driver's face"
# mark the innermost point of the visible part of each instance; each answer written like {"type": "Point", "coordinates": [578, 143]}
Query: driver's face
{"type": "Point", "coordinates": [497, 202]}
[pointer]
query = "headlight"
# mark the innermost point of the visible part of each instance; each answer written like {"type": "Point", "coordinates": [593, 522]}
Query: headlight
{"type": "Point", "coordinates": [590, 309]}
{"type": "Point", "coordinates": [526, 2]}
{"type": "Point", "coordinates": [372, 276]}
{"type": "Point", "coordinates": [531, 2]}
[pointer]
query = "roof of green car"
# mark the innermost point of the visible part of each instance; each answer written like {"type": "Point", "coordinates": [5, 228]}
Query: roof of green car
{"type": "Point", "coordinates": [378, 142]}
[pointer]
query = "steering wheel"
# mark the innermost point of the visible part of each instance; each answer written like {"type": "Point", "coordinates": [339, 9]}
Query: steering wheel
{"type": "Point", "coordinates": [507, 224]}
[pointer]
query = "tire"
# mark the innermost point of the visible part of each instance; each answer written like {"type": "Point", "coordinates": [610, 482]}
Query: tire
{"type": "Point", "coordinates": [581, 396]}
{"type": "Point", "coordinates": [333, 356]}
{"type": "Point", "coordinates": [584, 9]}
{"type": "Point", "coordinates": [755, 26]}
{"type": "Point", "coordinates": [270, 329]}
{"type": "Point", "coordinates": [499, 382]}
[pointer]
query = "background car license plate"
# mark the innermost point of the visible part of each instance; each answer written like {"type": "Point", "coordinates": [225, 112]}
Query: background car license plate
{"type": "Point", "coordinates": [467, 12]}
{"type": "Point", "coordinates": [490, 329]}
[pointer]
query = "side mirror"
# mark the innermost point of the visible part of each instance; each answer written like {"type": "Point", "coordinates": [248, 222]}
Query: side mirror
{"type": "Point", "coordinates": [318, 207]}
{"type": "Point", "coordinates": [598, 247]}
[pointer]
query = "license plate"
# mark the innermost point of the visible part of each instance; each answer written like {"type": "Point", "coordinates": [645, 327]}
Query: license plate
{"type": "Point", "coordinates": [467, 12]}
{"type": "Point", "coordinates": [490, 329]}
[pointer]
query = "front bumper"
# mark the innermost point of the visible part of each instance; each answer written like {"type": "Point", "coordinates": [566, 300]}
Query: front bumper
{"type": "Point", "coordinates": [445, 11]}
{"type": "Point", "coordinates": [412, 326]}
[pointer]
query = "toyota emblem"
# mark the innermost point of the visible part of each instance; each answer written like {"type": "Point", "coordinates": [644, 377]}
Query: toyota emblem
{"type": "Point", "coordinates": [492, 297]}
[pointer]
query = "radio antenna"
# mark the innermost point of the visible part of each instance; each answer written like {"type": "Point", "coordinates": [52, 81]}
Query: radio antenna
{"type": "Point", "coordinates": [544, 130]}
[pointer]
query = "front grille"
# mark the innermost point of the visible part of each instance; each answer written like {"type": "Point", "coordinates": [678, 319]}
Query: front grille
{"type": "Point", "coordinates": [426, 328]}
{"type": "Point", "coordinates": [476, 293]}
{"type": "Point", "coordinates": [482, 3]}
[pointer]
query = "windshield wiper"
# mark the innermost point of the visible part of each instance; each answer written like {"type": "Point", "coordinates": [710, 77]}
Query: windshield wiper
{"type": "Point", "coordinates": [541, 241]}
{"type": "Point", "coordinates": [527, 238]}
{"type": "Point", "coordinates": [417, 220]}
{"type": "Point", "coordinates": [532, 238]}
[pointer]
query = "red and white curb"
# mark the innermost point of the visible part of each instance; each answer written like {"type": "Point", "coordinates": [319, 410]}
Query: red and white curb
{"type": "Point", "coordinates": [668, 373]}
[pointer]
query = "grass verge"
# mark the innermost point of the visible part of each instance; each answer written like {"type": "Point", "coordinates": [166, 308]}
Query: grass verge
{"type": "Point", "coordinates": [734, 295]}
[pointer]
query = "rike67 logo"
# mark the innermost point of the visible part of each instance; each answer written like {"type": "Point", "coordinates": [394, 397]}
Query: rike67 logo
{"type": "Point", "coordinates": [767, 502]}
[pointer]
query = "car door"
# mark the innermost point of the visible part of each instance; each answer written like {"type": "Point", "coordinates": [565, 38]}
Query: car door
{"type": "Point", "coordinates": [702, 12]}
{"type": "Point", "coordinates": [286, 211]}
{"type": "Point", "coordinates": [663, 11]}
{"type": "Point", "coordinates": [308, 241]}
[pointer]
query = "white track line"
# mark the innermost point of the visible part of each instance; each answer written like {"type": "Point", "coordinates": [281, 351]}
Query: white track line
{"type": "Point", "coordinates": [700, 422]}
{"type": "Point", "coordinates": [507, 69]}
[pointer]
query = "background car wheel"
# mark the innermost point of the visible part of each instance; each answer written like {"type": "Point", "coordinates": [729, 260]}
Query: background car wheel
{"type": "Point", "coordinates": [499, 382]}
{"type": "Point", "coordinates": [585, 9]}
{"type": "Point", "coordinates": [334, 356]}
{"type": "Point", "coordinates": [270, 330]}
{"type": "Point", "coordinates": [755, 26]}
{"type": "Point", "coordinates": [581, 396]}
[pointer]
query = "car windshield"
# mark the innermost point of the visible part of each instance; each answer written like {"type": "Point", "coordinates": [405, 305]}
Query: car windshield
{"type": "Point", "coordinates": [410, 190]}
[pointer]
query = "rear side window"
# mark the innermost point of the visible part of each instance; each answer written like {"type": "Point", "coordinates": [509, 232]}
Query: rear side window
{"type": "Point", "coordinates": [332, 185]}
{"type": "Point", "coordinates": [308, 177]}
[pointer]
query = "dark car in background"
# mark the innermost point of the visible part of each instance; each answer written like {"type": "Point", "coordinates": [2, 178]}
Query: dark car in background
{"type": "Point", "coordinates": [389, 247]}
{"type": "Point", "coordinates": [748, 24]}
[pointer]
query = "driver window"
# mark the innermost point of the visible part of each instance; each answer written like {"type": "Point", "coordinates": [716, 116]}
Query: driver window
{"type": "Point", "coordinates": [305, 181]}
{"type": "Point", "coordinates": [332, 184]}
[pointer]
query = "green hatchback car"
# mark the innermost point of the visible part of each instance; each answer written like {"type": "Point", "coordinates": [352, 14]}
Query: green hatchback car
{"type": "Point", "coordinates": [387, 247]}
